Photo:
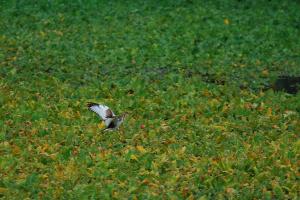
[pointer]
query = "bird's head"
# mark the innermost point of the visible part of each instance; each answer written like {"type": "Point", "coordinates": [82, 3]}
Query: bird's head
{"type": "Point", "coordinates": [125, 114]}
{"type": "Point", "coordinates": [122, 117]}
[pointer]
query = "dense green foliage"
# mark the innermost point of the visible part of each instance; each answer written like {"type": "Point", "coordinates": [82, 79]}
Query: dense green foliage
{"type": "Point", "coordinates": [190, 73]}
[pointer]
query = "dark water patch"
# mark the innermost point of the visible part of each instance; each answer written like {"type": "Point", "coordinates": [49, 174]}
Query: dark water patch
{"type": "Point", "coordinates": [288, 84]}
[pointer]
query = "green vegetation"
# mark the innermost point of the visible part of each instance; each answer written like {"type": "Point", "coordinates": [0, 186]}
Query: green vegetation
{"type": "Point", "coordinates": [190, 73]}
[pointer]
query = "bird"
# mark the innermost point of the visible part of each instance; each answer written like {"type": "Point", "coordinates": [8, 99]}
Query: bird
{"type": "Point", "coordinates": [112, 122]}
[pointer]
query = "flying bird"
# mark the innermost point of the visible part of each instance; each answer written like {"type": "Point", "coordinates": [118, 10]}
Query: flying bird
{"type": "Point", "coordinates": [112, 122]}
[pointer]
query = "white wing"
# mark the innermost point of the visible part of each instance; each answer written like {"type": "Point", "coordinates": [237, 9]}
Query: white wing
{"type": "Point", "coordinates": [103, 111]}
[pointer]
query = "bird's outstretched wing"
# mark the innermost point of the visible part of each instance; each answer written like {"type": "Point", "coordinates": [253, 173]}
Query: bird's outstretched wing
{"type": "Point", "coordinates": [104, 112]}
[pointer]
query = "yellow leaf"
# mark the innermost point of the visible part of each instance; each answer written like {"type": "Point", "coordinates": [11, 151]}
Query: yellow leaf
{"type": "Point", "coordinates": [133, 157]}
{"type": "Point", "coordinates": [214, 102]}
{"type": "Point", "coordinates": [71, 169]}
{"type": "Point", "coordinates": [67, 114]}
{"type": "Point", "coordinates": [269, 112]}
{"type": "Point", "coordinates": [219, 127]}
{"type": "Point", "coordinates": [265, 72]}
{"type": "Point", "coordinates": [225, 108]}
{"type": "Point", "coordinates": [182, 150]}
{"type": "Point", "coordinates": [45, 148]}
{"type": "Point", "coordinates": [226, 21]}
{"type": "Point", "coordinates": [230, 190]}
{"type": "Point", "coordinates": [59, 173]}
{"type": "Point", "coordinates": [141, 149]}
{"type": "Point", "coordinates": [101, 125]}
{"type": "Point", "coordinates": [183, 118]}
{"type": "Point", "coordinates": [16, 150]}
{"type": "Point", "coordinates": [3, 190]}
{"type": "Point", "coordinates": [6, 144]}
{"type": "Point", "coordinates": [53, 156]}
{"type": "Point", "coordinates": [165, 126]}
{"type": "Point", "coordinates": [206, 93]}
